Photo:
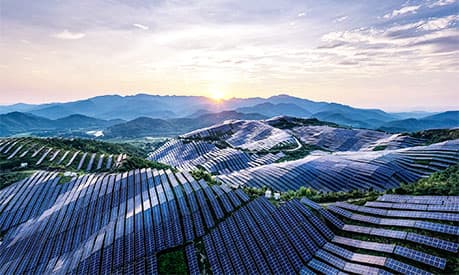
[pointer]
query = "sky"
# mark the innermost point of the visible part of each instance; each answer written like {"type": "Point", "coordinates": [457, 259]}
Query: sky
{"type": "Point", "coordinates": [393, 55]}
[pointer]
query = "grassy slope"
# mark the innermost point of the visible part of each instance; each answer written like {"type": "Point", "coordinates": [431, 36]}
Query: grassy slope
{"type": "Point", "coordinates": [439, 135]}
{"type": "Point", "coordinates": [11, 172]}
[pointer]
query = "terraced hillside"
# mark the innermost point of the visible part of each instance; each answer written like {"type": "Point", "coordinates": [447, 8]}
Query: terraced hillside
{"type": "Point", "coordinates": [342, 139]}
{"type": "Point", "coordinates": [141, 217]}
{"type": "Point", "coordinates": [44, 153]}
{"type": "Point", "coordinates": [378, 170]}
{"type": "Point", "coordinates": [191, 155]}
{"type": "Point", "coordinates": [245, 134]}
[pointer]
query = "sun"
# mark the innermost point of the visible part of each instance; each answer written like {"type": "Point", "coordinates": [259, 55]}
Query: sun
{"type": "Point", "coordinates": [217, 95]}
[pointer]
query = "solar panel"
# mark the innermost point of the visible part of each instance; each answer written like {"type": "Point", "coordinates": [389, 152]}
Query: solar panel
{"type": "Point", "coordinates": [404, 268]}
{"type": "Point", "coordinates": [321, 267]}
{"type": "Point", "coordinates": [433, 242]}
{"type": "Point", "coordinates": [192, 261]}
{"type": "Point", "coordinates": [420, 257]}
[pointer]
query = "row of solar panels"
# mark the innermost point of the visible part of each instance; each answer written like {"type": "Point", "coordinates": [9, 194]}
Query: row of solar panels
{"type": "Point", "coordinates": [118, 223]}
{"type": "Point", "coordinates": [349, 171]}
{"type": "Point", "coordinates": [178, 153]}
{"type": "Point", "coordinates": [428, 200]}
{"type": "Point", "coordinates": [110, 222]}
{"type": "Point", "coordinates": [190, 155]}
{"type": "Point", "coordinates": [387, 248]}
{"type": "Point", "coordinates": [245, 134]}
{"type": "Point", "coordinates": [19, 148]}
{"type": "Point", "coordinates": [421, 214]}
{"type": "Point", "coordinates": [262, 239]}
{"type": "Point", "coordinates": [343, 139]}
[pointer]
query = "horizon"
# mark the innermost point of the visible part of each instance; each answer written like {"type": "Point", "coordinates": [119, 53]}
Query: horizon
{"type": "Point", "coordinates": [218, 101]}
{"type": "Point", "coordinates": [396, 56]}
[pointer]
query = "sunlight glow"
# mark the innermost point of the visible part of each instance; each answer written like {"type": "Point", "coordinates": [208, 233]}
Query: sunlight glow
{"type": "Point", "coordinates": [217, 95]}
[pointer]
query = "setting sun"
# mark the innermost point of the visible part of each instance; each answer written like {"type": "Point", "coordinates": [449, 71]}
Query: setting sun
{"type": "Point", "coordinates": [217, 95]}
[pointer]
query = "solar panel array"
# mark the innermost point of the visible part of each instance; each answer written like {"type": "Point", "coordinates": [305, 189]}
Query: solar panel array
{"type": "Point", "coordinates": [108, 223]}
{"type": "Point", "coordinates": [245, 134]}
{"type": "Point", "coordinates": [350, 170]}
{"type": "Point", "coordinates": [190, 155]}
{"type": "Point", "coordinates": [18, 148]}
{"type": "Point", "coordinates": [344, 139]}
{"type": "Point", "coordinates": [179, 153]}
{"type": "Point", "coordinates": [392, 250]}
{"type": "Point", "coordinates": [120, 223]}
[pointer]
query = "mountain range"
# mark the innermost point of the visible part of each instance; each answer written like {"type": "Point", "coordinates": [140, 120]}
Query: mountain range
{"type": "Point", "coordinates": [169, 114]}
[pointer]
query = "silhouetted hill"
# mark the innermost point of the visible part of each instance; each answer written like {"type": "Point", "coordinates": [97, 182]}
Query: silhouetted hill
{"type": "Point", "coordinates": [269, 109]}
{"type": "Point", "coordinates": [17, 123]}
{"type": "Point", "coordinates": [171, 107]}
{"type": "Point", "coordinates": [443, 120]}
{"type": "Point", "coordinates": [145, 126]}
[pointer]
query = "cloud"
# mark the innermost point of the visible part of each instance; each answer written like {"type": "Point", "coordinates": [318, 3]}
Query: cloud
{"type": "Point", "coordinates": [341, 19]}
{"type": "Point", "coordinates": [404, 10]}
{"type": "Point", "coordinates": [439, 23]}
{"type": "Point", "coordinates": [301, 14]}
{"type": "Point", "coordinates": [140, 26]}
{"type": "Point", "coordinates": [441, 3]}
{"type": "Point", "coordinates": [67, 35]}
{"type": "Point", "coordinates": [426, 45]}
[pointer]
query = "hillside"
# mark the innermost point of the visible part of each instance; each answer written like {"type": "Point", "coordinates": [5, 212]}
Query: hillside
{"type": "Point", "coordinates": [112, 107]}
{"type": "Point", "coordinates": [443, 120]}
{"type": "Point", "coordinates": [17, 123]}
{"type": "Point", "coordinates": [146, 126]}
{"type": "Point", "coordinates": [281, 109]}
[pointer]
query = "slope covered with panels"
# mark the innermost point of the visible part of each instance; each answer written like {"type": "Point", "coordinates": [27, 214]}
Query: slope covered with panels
{"type": "Point", "coordinates": [188, 155]}
{"type": "Point", "coordinates": [40, 155]}
{"type": "Point", "coordinates": [245, 134]}
{"type": "Point", "coordinates": [345, 139]}
{"type": "Point", "coordinates": [423, 238]}
{"type": "Point", "coordinates": [122, 223]}
{"type": "Point", "coordinates": [351, 170]}
{"type": "Point", "coordinates": [179, 153]}
{"type": "Point", "coordinates": [108, 223]}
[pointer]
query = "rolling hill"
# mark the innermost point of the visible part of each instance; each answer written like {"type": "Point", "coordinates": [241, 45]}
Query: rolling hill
{"type": "Point", "coordinates": [17, 123]}
{"type": "Point", "coordinates": [146, 126]}
{"type": "Point", "coordinates": [443, 120]}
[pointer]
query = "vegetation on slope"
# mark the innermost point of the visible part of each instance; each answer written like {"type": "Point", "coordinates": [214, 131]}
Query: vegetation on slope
{"type": "Point", "coordinates": [131, 163]}
{"type": "Point", "coordinates": [8, 178]}
{"type": "Point", "coordinates": [304, 151]}
{"type": "Point", "coordinates": [89, 145]}
{"type": "Point", "coordinates": [441, 183]}
{"type": "Point", "coordinates": [173, 262]}
{"type": "Point", "coordinates": [437, 135]}
{"type": "Point", "coordinates": [291, 122]}
{"type": "Point", "coordinates": [199, 174]}
{"type": "Point", "coordinates": [11, 170]}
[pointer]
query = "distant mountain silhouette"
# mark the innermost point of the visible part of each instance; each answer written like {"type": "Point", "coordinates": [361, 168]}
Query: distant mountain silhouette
{"type": "Point", "coordinates": [145, 126]}
{"type": "Point", "coordinates": [128, 108]}
{"type": "Point", "coordinates": [443, 120]}
{"type": "Point", "coordinates": [270, 110]}
{"type": "Point", "coordinates": [17, 123]}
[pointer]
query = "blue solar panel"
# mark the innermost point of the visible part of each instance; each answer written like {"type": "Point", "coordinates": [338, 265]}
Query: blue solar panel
{"type": "Point", "coordinates": [420, 257]}
{"type": "Point", "coordinates": [403, 268]}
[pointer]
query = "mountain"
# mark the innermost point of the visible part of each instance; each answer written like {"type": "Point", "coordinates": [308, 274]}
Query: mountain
{"type": "Point", "coordinates": [19, 107]}
{"type": "Point", "coordinates": [280, 109]}
{"type": "Point", "coordinates": [109, 107]}
{"type": "Point", "coordinates": [413, 114]}
{"type": "Point", "coordinates": [78, 121]}
{"type": "Point", "coordinates": [145, 126]}
{"type": "Point", "coordinates": [156, 106]}
{"type": "Point", "coordinates": [17, 123]}
{"type": "Point", "coordinates": [443, 120]}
